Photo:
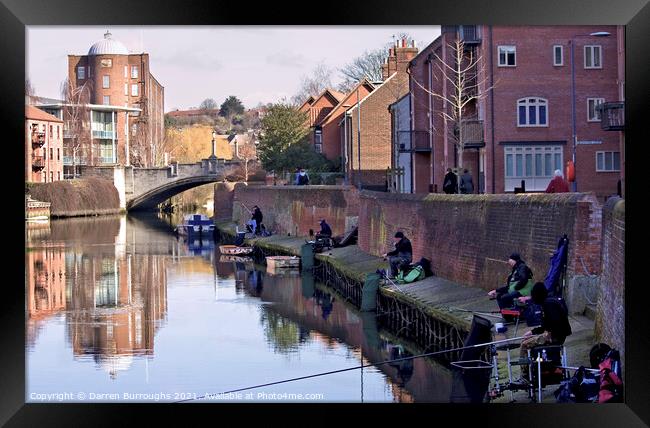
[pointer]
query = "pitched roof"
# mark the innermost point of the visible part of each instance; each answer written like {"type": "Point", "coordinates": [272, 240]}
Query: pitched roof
{"type": "Point", "coordinates": [308, 101]}
{"type": "Point", "coordinates": [34, 113]}
{"type": "Point", "coordinates": [345, 98]}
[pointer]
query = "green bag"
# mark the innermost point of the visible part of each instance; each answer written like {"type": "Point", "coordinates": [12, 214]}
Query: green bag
{"type": "Point", "coordinates": [525, 291]}
{"type": "Point", "coordinates": [416, 274]}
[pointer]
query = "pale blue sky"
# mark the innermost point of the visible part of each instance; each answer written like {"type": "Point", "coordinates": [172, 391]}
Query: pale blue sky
{"type": "Point", "coordinates": [255, 63]}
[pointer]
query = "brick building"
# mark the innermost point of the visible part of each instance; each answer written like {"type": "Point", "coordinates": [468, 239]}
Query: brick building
{"type": "Point", "coordinates": [367, 125]}
{"type": "Point", "coordinates": [130, 126]}
{"type": "Point", "coordinates": [317, 109]}
{"type": "Point", "coordinates": [43, 146]}
{"type": "Point", "coordinates": [522, 128]}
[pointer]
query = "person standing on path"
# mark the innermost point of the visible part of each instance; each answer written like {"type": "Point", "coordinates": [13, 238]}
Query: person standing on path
{"type": "Point", "coordinates": [558, 184]}
{"type": "Point", "coordinates": [450, 184]}
{"type": "Point", "coordinates": [466, 183]}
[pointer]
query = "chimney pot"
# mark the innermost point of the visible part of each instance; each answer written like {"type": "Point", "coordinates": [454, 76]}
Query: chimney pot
{"type": "Point", "coordinates": [403, 43]}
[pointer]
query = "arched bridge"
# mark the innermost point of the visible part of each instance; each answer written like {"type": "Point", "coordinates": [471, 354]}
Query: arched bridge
{"type": "Point", "coordinates": [145, 188]}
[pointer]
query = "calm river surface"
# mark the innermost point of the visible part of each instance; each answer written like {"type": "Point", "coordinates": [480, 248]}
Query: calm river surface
{"type": "Point", "coordinates": [119, 309]}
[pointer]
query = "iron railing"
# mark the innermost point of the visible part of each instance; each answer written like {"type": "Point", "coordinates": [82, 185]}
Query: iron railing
{"type": "Point", "coordinates": [417, 141]}
{"type": "Point", "coordinates": [38, 163]}
{"type": "Point", "coordinates": [473, 133]}
{"type": "Point", "coordinates": [612, 116]}
{"type": "Point", "coordinates": [38, 139]}
{"type": "Point", "coordinates": [469, 34]}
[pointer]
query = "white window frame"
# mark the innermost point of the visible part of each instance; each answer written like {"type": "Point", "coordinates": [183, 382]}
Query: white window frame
{"type": "Point", "coordinates": [126, 89]}
{"type": "Point", "coordinates": [81, 73]}
{"type": "Point", "coordinates": [561, 63]}
{"type": "Point", "coordinates": [106, 81]}
{"type": "Point", "coordinates": [106, 98]}
{"type": "Point", "coordinates": [134, 72]}
{"type": "Point", "coordinates": [604, 154]}
{"type": "Point", "coordinates": [538, 103]}
{"type": "Point", "coordinates": [507, 49]}
{"type": "Point", "coordinates": [126, 71]}
{"type": "Point", "coordinates": [597, 102]}
{"type": "Point", "coordinates": [535, 180]}
{"type": "Point", "coordinates": [134, 90]}
{"type": "Point", "coordinates": [600, 56]}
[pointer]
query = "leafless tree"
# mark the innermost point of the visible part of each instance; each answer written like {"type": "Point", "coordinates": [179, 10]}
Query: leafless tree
{"type": "Point", "coordinates": [76, 120]}
{"type": "Point", "coordinates": [29, 90]}
{"type": "Point", "coordinates": [138, 150]}
{"type": "Point", "coordinates": [247, 154]}
{"type": "Point", "coordinates": [465, 74]}
{"type": "Point", "coordinates": [319, 80]}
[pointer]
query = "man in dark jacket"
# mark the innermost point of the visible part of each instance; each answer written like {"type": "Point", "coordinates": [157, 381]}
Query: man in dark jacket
{"type": "Point", "coordinates": [521, 274]}
{"type": "Point", "coordinates": [466, 183]}
{"type": "Point", "coordinates": [555, 323]}
{"type": "Point", "coordinates": [401, 256]}
{"type": "Point", "coordinates": [325, 230]}
{"type": "Point", "coordinates": [450, 184]}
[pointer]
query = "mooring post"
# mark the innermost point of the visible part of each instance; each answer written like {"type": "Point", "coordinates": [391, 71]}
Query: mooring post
{"type": "Point", "coordinates": [306, 257]}
{"type": "Point", "coordinates": [369, 292]}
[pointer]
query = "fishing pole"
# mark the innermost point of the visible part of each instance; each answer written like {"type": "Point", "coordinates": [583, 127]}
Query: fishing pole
{"type": "Point", "coordinates": [429, 354]}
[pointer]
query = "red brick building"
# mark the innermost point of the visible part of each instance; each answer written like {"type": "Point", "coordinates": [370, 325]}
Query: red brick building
{"type": "Point", "coordinates": [121, 80]}
{"type": "Point", "coordinates": [522, 128]}
{"type": "Point", "coordinates": [367, 125]}
{"type": "Point", "coordinates": [317, 109]}
{"type": "Point", "coordinates": [43, 146]}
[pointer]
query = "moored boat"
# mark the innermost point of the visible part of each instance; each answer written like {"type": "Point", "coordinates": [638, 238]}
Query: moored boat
{"type": "Point", "coordinates": [234, 250]}
{"type": "Point", "coordinates": [196, 224]}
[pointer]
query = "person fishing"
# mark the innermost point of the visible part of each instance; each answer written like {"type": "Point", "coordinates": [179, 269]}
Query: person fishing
{"type": "Point", "coordinates": [257, 219]}
{"type": "Point", "coordinates": [401, 256]}
{"type": "Point", "coordinates": [518, 283]}
{"type": "Point", "coordinates": [325, 230]}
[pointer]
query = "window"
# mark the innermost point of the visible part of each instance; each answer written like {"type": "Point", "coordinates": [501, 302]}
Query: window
{"type": "Point", "coordinates": [107, 100]}
{"type": "Point", "coordinates": [533, 164]}
{"type": "Point", "coordinates": [81, 73]}
{"type": "Point", "coordinates": [134, 72]}
{"type": "Point", "coordinates": [58, 175]}
{"type": "Point", "coordinates": [126, 71]}
{"type": "Point", "coordinates": [58, 154]}
{"type": "Point", "coordinates": [532, 112]}
{"type": "Point", "coordinates": [51, 153]}
{"type": "Point", "coordinates": [608, 161]}
{"type": "Point", "coordinates": [134, 129]}
{"type": "Point", "coordinates": [134, 90]}
{"type": "Point", "coordinates": [51, 131]}
{"type": "Point", "coordinates": [51, 176]}
{"type": "Point", "coordinates": [558, 55]}
{"type": "Point", "coordinates": [126, 89]}
{"type": "Point", "coordinates": [58, 131]}
{"type": "Point", "coordinates": [106, 82]}
{"type": "Point", "coordinates": [106, 62]}
{"type": "Point", "coordinates": [593, 113]}
{"type": "Point", "coordinates": [507, 56]}
{"type": "Point", "coordinates": [593, 56]}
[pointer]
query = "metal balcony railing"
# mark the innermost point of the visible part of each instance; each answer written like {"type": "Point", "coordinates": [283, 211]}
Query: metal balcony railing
{"type": "Point", "coordinates": [105, 160]}
{"type": "Point", "coordinates": [38, 139]}
{"type": "Point", "coordinates": [79, 160]}
{"type": "Point", "coordinates": [469, 34]}
{"type": "Point", "coordinates": [106, 135]}
{"type": "Point", "coordinates": [473, 133]}
{"type": "Point", "coordinates": [612, 116]}
{"type": "Point", "coordinates": [38, 163]}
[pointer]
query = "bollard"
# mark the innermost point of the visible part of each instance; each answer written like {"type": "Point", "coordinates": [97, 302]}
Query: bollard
{"type": "Point", "coordinates": [306, 257]}
{"type": "Point", "coordinates": [369, 292]}
{"type": "Point", "coordinates": [307, 285]}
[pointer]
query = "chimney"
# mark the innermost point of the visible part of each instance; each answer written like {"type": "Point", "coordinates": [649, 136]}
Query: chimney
{"type": "Point", "coordinates": [403, 55]}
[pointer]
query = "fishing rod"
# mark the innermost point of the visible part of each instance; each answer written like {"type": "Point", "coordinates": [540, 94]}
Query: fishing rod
{"type": "Point", "coordinates": [429, 354]}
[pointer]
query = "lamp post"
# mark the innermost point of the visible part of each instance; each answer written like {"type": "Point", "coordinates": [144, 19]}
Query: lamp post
{"type": "Point", "coordinates": [214, 140]}
{"type": "Point", "coordinates": [574, 184]}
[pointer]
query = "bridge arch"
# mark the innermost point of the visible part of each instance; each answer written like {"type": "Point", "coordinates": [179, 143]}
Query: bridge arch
{"type": "Point", "coordinates": [150, 199]}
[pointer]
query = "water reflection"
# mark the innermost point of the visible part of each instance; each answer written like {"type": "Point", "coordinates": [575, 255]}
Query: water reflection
{"type": "Point", "coordinates": [153, 312]}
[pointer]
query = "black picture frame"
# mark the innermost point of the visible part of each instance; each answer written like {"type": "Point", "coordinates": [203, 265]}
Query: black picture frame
{"type": "Point", "coordinates": [15, 15]}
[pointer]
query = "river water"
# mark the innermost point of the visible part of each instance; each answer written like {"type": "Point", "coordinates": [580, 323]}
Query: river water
{"type": "Point", "coordinates": [119, 309]}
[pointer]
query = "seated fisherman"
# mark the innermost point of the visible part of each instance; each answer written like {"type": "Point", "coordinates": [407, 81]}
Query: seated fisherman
{"type": "Point", "coordinates": [555, 323]}
{"type": "Point", "coordinates": [325, 230]}
{"type": "Point", "coordinates": [518, 284]}
{"type": "Point", "coordinates": [401, 256]}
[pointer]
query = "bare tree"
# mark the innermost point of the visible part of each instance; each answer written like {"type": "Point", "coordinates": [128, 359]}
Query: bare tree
{"type": "Point", "coordinates": [319, 80]}
{"type": "Point", "coordinates": [465, 74]}
{"type": "Point", "coordinates": [139, 149]}
{"type": "Point", "coordinates": [247, 154]}
{"type": "Point", "coordinates": [29, 90]}
{"type": "Point", "coordinates": [76, 120]}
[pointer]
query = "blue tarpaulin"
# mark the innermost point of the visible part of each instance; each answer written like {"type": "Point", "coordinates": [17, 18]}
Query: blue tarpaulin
{"type": "Point", "coordinates": [556, 269]}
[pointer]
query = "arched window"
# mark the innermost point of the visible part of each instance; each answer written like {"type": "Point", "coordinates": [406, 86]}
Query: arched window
{"type": "Point", "coordinates": [532, 112]}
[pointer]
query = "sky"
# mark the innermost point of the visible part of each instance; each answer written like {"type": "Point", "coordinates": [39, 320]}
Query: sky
{"type": "Point", "coordinates": [255, 63]}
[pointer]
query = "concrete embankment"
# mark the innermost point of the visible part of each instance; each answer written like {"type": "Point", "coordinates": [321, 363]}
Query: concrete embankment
{"type": "Point", "coordinates": [441, 299]}
{"type": "Point", "coordinates": [79, 197]}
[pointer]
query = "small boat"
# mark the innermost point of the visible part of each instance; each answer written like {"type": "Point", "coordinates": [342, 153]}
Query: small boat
{"type": "Point", "coordinates": [196, 224]}
{"type": "Point", "coordinates": [275, 262]}
{"type": "Point", "coordinates": [234, 250]}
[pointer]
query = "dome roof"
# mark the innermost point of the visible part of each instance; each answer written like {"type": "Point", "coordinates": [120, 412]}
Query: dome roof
{"type": "Point", "coordinates": [108, 46]}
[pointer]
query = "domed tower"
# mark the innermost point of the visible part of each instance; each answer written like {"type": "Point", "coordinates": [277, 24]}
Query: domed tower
{"type": "Point", "coordinates": [126, 104]}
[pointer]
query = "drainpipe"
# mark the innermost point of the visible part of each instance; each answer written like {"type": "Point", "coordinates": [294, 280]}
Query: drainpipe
{"type": "Point", "coordinates": [432, 163]}
{"type": "Point", "coordinates": [126, 138]}
{"type": "Point", "coordinates": [113, 131]}
{"type": "Point", "coordinates": [359, 135]}
{"type": "Point", "coordinates": [346, 145]}
{"type": "Point", "coordinates": [492, 110]}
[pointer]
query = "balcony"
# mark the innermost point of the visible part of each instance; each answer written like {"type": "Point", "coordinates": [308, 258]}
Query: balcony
{"type": "Point", "coordinates": [79, 160]}
{"type": "Point", "coordinates": [38, 139]}
{"type": "Point", "coordinates": [612, 116]}
{"type": "Point", "coordinates": [104, 135]}
{"type": "Point", "coordinates": [105, 160]}
{"type": "Point", "coordinates": [473, 134]}
{"type": "Point", "coordinates": [469, 34]}
{"type": "Point", "coordinates": [38, 163]}
{"type": "Point", "coordinates": [414, 141]}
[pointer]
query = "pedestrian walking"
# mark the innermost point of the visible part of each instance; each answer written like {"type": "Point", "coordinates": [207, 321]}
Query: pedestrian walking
{"type": "Point", "coordinates": [466, 183]}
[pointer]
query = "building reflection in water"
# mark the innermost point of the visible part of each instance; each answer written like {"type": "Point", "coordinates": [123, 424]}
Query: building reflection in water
{"type": "Point", "coordinates": [114, 299]}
